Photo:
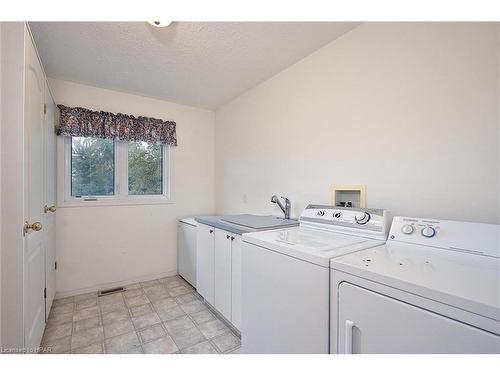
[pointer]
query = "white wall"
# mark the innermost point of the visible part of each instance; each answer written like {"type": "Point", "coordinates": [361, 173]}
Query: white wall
{"type": "Point", "coordinates": [104, 246]}
{"type": "Point", "coordinates": [0, 185]}
{"type": "Point", "coordinates": [498, 148]}
{"type": "Point", "coordinates": [410, 110]}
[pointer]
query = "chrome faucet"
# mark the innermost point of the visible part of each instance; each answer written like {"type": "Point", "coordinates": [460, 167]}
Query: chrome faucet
{"type": "Point", "coordinates": [286, 208]}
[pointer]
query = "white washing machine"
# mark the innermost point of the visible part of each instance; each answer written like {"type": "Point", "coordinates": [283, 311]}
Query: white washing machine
{"type": "Point", "coordinates": [286, 277]}
{"type": "Point", "coordinates": [434, 287]}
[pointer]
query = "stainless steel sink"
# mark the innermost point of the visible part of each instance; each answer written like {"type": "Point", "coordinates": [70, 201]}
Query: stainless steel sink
{"type": "Point", "coordinates": [257, 221]}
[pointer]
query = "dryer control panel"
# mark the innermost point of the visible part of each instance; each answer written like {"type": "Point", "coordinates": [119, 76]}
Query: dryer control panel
{"type": "Point", "coordinates": [473, 238]}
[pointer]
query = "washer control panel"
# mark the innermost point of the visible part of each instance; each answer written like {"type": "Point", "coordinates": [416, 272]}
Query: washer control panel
{"type": "Point", "coordinates": [473, 238]}
{"type": "Point", "coordinates": [361, 220]}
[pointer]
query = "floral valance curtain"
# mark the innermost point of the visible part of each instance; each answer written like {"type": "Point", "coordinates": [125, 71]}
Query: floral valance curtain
{"type": "Point", "coordinates": [83, 122]}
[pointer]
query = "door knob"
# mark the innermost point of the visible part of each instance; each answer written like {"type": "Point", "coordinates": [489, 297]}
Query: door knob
{"type": "Point", "coordinates": [49, 209]}
{"type": "Point", "coordinates": [36, 226]}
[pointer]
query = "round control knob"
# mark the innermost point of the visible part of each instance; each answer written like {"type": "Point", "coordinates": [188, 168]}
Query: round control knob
{"type": "Point", "coordinates": [407, 229]}
{"type": "Point", "coordinates": [362, 217]}
{"type": "Point", "coordinates": [337, 215]}
{"type": "Point", "coordinates": [321, 213]}
{"type": "Point", "coordinates": [428, 232]}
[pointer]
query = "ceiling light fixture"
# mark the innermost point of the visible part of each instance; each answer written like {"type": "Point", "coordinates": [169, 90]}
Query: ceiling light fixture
{"type": "Point", "coordinates": [160, 23]}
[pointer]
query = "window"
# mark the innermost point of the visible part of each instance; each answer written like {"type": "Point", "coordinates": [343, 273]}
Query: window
{"type": "Point", "coordinates": [92, 166]}
{"type": "Point", "coordinates": [110, 171]}
{"type": "Point", "coordinates": [145, 172]}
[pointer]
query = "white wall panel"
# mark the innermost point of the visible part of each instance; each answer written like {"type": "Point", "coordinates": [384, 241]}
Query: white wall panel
{"type": "Point", "coordinates": [409, 109]}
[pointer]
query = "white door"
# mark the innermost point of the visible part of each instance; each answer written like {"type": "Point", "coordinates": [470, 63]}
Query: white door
{"type": "Point", "coordinates": [236, 282]}
{"type": "Point", "coordinates": [205, 262]}
{"type": "Point", "coordinates": [34, 257]}
{"type": "Point", "coordinates": [373, 323]}
{"type": "Point", "coordinates": [49, 229]}
{"type": "Point", "coordinates": [223, 272]}
{"type": "Point", "coordinates": [186, 243]}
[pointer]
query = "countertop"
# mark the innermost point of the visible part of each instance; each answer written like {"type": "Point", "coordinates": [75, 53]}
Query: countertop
{"type": "Point", "coordinates": [253, 223]}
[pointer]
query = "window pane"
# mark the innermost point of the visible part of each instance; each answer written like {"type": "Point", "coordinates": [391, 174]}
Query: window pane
{"type": "Point", "coordinates": [92, 166]}
{"type": "Point", "coordinates": [145, 172]}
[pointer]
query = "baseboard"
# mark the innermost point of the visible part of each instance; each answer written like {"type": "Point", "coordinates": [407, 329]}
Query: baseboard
{"type": "Point", "coordinates": [95, 288]}
{"type": "Point", "coordinates": [235, 330]}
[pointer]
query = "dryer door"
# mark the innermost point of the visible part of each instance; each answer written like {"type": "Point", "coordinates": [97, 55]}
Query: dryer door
{"type": "Point", "coordinates": [370, 322]}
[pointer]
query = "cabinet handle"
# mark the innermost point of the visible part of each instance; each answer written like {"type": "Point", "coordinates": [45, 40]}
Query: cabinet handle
{"type": "Point", "coordinates": [349, 325]}
{"type": "Point", "coordinates": [211, 230]}
{"type": "Point", "coordinates": [232, 238]}
{"type": "Point", "coordinates": [228, 236]}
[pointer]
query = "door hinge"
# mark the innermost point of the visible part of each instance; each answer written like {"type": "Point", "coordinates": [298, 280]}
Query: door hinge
{"type": "Point", "coordinates": [45, 108]}
{"type": "Point", "coordinates": [55, 265]}
{"type": "Point", "coordinates": [44, 292]}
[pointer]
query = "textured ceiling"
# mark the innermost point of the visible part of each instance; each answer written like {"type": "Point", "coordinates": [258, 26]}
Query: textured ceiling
{"type": "Point", "coordinates": [198, 64]}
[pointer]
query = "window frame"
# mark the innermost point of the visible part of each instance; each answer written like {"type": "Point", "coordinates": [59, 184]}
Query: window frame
{"type": "Point", "coordinates": [121, 196]}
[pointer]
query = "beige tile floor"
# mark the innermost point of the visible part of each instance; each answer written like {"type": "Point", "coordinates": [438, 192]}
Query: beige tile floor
{"type": "Point", "coordinates": [157, 316]}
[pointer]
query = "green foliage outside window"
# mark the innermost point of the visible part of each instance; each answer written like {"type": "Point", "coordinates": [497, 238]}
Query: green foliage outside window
{"type": "Point", "coordinates": [92, 166]}
{"type": "Point", "coordinates": [145, 169]}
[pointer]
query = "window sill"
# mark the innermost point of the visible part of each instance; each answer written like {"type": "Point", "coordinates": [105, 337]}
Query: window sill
{"type": "Point", "coordinates": [115, 202]}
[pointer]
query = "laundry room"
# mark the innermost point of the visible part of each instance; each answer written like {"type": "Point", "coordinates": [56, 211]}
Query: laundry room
{"type": "Point", "coordinates": [264, 185]}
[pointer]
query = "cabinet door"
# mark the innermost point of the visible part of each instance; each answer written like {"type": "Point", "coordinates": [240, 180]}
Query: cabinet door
{"type": "Point", "coordinates": [205, 262]}
{"type": "Point", "coordinates": [223, 272]}
{"type": "Point", "coordinates": [236, 281]}
{"type": "Point", "coordinates": [373, 323]}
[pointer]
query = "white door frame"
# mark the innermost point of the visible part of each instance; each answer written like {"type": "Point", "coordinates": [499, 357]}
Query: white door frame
{"type": "Point", "coordinates": [49, 198]}
{"type": "Point", "coordinates": [12, 176]}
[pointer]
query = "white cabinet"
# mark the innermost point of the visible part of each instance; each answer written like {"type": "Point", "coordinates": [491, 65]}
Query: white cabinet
{"type": "Point", "coordinates": [373, 323]}
{"type": "Point", "coordinates": [223, 272]}
{"type": "Point", "coordinates": [236, 282]}
{"type": "Point", "coordinates": [205, 262]}
{"type": "Point", "coordinates": [186, 250]}
{"type": "Point", "coordinates": [219, 271]}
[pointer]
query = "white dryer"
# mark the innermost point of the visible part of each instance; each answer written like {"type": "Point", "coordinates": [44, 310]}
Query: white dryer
{"type": "Point", "coordinates": [434, 287]}
{"type": "Point", "coordinates": [286, 277]}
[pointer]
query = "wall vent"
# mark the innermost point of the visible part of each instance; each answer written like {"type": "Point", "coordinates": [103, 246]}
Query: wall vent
{"type": "Point", "coordinates": [111, 291]}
